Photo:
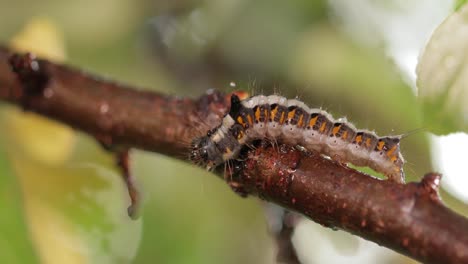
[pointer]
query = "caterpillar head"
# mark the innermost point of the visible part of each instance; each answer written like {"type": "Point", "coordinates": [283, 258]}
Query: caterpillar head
{"type": "Point", "coordinates": [204, 152]}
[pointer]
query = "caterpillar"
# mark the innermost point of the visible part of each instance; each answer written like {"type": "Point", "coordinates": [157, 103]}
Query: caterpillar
{"type": "Point", "coordinates": [292, 122]}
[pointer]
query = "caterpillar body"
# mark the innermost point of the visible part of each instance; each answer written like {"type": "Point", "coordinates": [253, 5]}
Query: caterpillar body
{"type": "Point", "coordinates": [292, 122]}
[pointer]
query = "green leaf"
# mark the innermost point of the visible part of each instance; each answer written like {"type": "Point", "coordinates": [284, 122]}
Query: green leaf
{"type": "Point", "coordinates": [15, 244]}
{"type": "Point", "coordinates": [459, 4]}
{"type": "Point", "coordinates": [443, 76]}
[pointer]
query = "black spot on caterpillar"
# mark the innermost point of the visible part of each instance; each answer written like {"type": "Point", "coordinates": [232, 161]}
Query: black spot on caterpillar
{"type": "Point", "coordinates": [292, 122]}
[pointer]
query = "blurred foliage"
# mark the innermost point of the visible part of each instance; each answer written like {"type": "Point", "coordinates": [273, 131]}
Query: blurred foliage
{"type": "Point", "coordinates": [51, 187]}
{"type": "Point", "coordinates": [74, 202]}
{"type": "Point", "coordinates": [14, 238]}
{"type": "Point", "coordinates": [459, 4]}
{"type": "Point", "coordinates": [443, 76]}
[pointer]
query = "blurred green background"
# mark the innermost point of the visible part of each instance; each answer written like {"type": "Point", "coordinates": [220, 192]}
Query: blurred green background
{"type": "Point", "coordinates": [62, 198]}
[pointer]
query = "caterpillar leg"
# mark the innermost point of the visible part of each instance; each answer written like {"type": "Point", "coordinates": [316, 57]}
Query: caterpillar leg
{"type": "Point", "coordinates": [238, 188]}
{"type": "Point", "coordinates": [231, 177]}
{"type": "Point", "coordinates": [397, 176]}
{"type": "Point", "coordinates": [342, 161]}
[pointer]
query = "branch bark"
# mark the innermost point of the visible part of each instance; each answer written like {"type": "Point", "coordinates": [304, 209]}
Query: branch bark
{"type": "Point", "coordinates": [113, 113]}
{"type": "Point", "coordinates": [408, 218]}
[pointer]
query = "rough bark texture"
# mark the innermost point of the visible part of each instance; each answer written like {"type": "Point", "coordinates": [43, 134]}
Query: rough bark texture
{"type": "Point", "coordinates": [112, 113]}
{"type": "Point", "coordinates": [408, 218]}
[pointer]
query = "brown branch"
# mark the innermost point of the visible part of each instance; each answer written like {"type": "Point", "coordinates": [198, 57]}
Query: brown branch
{"type": "Point", "coordinates": [112, 113]}
{"type": "Point", "coordinates": [409, 218]}
{"type": "Point", "coordinates": [286, 251]}
{"type": "Point", "coordinates": [123, 162]}
{"type": "Point", "coordinates": [281, 225]}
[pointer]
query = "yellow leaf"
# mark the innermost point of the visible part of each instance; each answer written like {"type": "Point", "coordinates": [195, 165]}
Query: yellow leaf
{"type": "Point", "coordinates": [41, 37]}
{"type": "Point", "coordinates": [42, 139]}
{"type": "Point", "coordinates": [39, 138]}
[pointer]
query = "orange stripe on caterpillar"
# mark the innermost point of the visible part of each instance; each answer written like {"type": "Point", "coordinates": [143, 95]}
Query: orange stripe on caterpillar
{"type": "Point", "coordinates": [293, 122]}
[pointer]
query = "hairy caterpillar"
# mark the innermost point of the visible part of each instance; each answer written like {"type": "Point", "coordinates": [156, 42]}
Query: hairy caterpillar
{"type": "Point", "coordinates": [292, 122]}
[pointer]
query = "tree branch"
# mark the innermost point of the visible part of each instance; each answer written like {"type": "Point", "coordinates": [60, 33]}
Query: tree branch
{"type": "Point", "coordinates": [114, 114]}
{"type": "Point", "coordinates": [408, 218]}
